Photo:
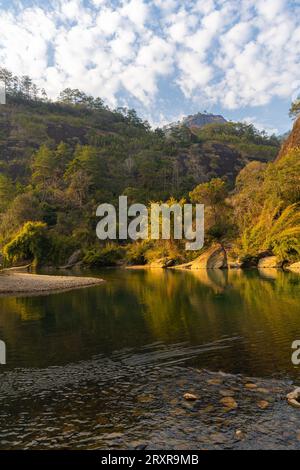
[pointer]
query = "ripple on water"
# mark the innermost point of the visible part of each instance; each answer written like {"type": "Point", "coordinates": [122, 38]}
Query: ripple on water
{"type": "Point", "coordinates": [107, 404]}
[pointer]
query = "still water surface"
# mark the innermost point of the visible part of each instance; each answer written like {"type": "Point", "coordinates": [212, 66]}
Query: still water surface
{"type": "Point", "coordinates": [239, 322]}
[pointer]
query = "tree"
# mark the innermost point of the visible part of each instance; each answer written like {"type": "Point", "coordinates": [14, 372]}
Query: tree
{"type": "Point", "coordinates": [7, 192]}
{"type": "Point", "coordinates": [30, 243]}
{"type": "Point", "coordinates": [295, 108]}
{"type": "Point", "coordinates": [217, 212]}
{"type": "Point", "coordinates": [44, 169]}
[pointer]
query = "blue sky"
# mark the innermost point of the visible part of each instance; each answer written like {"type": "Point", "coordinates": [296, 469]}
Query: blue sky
{"type": "Point", "coordinates": [166, 58]}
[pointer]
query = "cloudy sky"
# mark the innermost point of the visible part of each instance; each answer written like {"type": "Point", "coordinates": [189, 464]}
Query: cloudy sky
{"type": "Point", "coordinates": [166, 58]}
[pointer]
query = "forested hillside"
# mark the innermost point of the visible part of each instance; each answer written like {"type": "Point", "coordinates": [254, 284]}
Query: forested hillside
{"type": "Point", "coordinates": [59, 160]}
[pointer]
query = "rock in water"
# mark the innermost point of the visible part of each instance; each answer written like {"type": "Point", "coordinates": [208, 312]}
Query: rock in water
{"type": "Point", "coordinates": [263, 404]}
{"type": "Point", "coordinates": [213, 258]}
{"type": "Point", "coordinates": [269, 262]}
{"type": "Point", "coordinates": [293, 398]}
{"type": "Point", "coordinates": [229, 402]}
{"type": "Point", "coordinates": [190, 397]}
{"type": "Point", "coordinates": [295, 267]}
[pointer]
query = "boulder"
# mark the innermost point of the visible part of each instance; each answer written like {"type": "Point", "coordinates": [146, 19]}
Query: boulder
{"type": "Point", "coordinates": [162, 263]}
{"type": "Point", "coordinates": [213, 258]}
{"type": "Point", "coordinates": [73, 260]}
{"type": "Point", "coordinates": [295, 267]}
{"type": "Point", "coordinates": [269, 262]}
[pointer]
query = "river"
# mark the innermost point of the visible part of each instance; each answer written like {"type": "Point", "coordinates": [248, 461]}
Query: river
{"type": "Point", "coordinates": [107, 366]}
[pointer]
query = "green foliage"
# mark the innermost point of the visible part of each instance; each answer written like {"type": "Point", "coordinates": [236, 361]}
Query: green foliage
{"type": "Point", "coordinates": [7, 192]}
{"type": "Point", "coordinates": [277, 231]}
{"type": "Point", "coordinates": [295, 108]}
{"type": "Point", "coordinates": [29, 243]}
{"type": "Point", "coordinates": [110, 255]}
{"type": "Point", "coordinates": [218, 214]}
{"type": "Point", "coordinates": [212, 193]}
{"type": "Point", "coordinates": [136, 252]}
{"type": "Point", "coordinates": [77, 97]}
{"type": "Point", "coordinates": [245, 138]}
{"type": "Point", "coordinates": [236, 132]}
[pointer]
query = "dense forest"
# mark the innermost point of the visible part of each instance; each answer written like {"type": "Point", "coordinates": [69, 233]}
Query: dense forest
{"type": "Point", "coordinates": [60, 159]}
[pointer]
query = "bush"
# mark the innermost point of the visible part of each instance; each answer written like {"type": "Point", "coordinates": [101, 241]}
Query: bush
{"type": "Point", "coordinates": [136, 252]}
{"type": "Point", "coordinates": [30, 243]}
{"type": "Point", "coordinates": [277, 231]}
{"type": "Point", "coordinates": [110, 255]}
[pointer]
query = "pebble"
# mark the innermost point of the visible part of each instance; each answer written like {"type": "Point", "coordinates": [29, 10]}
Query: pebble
{"type": "Point", "coordinates": [263, 404]}
{"type": "Point", "coordinates": [229, 402]}
{"type": "Point", "coordinates": [190, 397]}
{"type": "Point", "coordinates": [250, 386]}
{"type": "Point", "coordinates": [215, 381]}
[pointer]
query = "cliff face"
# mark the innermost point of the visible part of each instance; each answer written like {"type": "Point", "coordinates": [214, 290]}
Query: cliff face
{"type": "Point", "coordinates": [292, 141]}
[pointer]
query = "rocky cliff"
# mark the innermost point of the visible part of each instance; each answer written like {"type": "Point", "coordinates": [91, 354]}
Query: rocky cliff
{"type": "Point", "coordinates": [292, 141]}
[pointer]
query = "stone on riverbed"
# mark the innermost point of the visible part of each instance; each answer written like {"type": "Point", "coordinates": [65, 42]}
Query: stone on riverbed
{"type": "Point", "coordinates": [190, 397]}
{"type": "Point", "coordinates": [229, 402]}
{"type": "Point", "coordinates": [263, 404]}
{"type": "Point", "coordinates": [293, 398]}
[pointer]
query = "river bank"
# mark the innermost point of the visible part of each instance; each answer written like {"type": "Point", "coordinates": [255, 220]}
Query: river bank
{"type": "Point", "coordinates": [19, 283]}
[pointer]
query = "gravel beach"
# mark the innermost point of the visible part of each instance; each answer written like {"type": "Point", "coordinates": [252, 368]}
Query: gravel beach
{"type": "Point", "coordinates": [13, 283]}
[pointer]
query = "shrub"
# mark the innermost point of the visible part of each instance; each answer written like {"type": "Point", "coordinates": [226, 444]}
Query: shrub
{"type": "Point", "coordinates": [107, 256]}
{"type": "Point", "coordinates": [136, 252]}
{"type": "Point", "coordinates": [277, 231]}
{"type": "Point", "coordinates": [30, 243]}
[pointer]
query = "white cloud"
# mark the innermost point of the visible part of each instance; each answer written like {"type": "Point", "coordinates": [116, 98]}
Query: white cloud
{"type": "Point", "coordinates": [234, 53]}
{"type": "Point", "coordinates": [261, 126]}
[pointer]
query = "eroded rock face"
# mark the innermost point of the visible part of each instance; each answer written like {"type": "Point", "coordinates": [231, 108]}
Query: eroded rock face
{"type": "Point", "coordinates": [269, 262]}
{"type": "Point", "coordinates": [292, 141]}
{"type": "Point", "coordinates": [74, 258]}
{"type": "Point", "coordinates": [214, 257]}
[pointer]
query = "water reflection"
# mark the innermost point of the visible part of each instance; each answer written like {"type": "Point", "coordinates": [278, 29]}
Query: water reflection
{"type": "Point", "coordinates": [236, 321]}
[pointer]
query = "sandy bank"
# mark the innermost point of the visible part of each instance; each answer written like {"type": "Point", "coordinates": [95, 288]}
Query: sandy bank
{"type": "Point", "coordinates": [15, 283]}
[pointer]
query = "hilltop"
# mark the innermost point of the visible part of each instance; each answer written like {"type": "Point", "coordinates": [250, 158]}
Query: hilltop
{"type": "Point", "coordinates": [197, 120]}
{"type": "Point", "coordinates": [202, 119]}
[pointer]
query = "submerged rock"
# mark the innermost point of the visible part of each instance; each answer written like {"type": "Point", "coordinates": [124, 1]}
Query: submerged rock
{"type": "Point", "coordinates": [251, 386]}
{"type": "Point", "coordinates": [293, 398]}
{"type": "Point", "coordinates": [190, 397]}
{"type": "Point", "coordinates": [229, 402]}
{"type": "Point", "coordinates": [263, 404]}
